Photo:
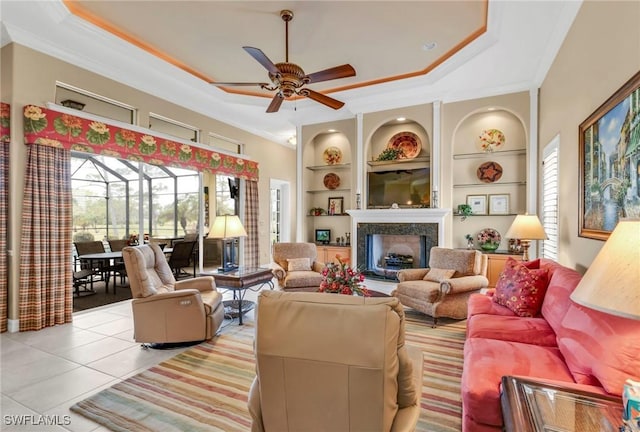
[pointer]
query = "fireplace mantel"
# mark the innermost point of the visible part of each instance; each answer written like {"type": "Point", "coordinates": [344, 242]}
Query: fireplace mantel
{"type": "Point", "coordinates": [413, 215]}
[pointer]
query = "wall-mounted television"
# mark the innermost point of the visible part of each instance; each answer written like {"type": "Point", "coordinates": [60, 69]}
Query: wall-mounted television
{"type": "Point", "coordinates": [323, 236]}
{"type": "Point", "coordinates": [407, 188]}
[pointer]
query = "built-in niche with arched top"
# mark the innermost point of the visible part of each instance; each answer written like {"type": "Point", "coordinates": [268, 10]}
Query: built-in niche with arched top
{"type": "Point", "coordinates": [402, 177]}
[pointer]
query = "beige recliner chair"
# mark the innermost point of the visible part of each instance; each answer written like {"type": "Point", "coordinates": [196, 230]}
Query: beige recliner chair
{"type": "Point", "coordinates": [166, 311]}
{"type": "Point", "coordinates": [295, 266]}
{"type": "Point", "coordinates": [331, 362]}
{"type": "Point", "coordinates": [443, 289]}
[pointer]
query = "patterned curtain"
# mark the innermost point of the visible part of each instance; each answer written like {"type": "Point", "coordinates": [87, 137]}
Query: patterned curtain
{"type": "Point", "coordinates": [251, 249]}
{"type": "Point", "coordinates": [4, 206]}
{"type": "Point", "coordinates": [46, 296]}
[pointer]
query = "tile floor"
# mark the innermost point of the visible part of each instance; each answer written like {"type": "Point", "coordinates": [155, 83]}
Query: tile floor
{"type": "Point", "coordinates": [44, 372]}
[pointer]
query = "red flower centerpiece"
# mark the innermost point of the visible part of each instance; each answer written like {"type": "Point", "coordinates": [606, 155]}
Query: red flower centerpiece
{"type": "Point", "coordinates": [341, 279]}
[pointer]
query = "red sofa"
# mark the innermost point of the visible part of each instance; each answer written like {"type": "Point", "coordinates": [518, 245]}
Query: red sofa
{"type": "Point", "coordinates": [577, 346]}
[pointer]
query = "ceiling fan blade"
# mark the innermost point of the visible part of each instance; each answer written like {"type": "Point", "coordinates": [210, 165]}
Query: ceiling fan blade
{"type": "Point", "coordinates": [323, 99]}
{"type": "Point", "coordinates": [343, 71]}
{"type": "Point", "coordinates": [262, 58]}
{"type": "Point", "coordinates": [235, 84]}
{"type": "Point", "coordinates": [274, 106]}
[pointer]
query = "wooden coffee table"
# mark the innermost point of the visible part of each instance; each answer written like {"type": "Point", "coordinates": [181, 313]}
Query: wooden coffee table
{"type": "Point", "coordinates": [239, 281]}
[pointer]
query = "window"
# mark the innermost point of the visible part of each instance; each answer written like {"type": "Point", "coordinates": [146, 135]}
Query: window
{"type": "Point", "coordinates": [227, 194]}
{"type": "Point", "coordinates": [174, 128]}
{"type": "Point", "coordinates": [227, 144]}
{"type": "Point", "coordinates": [550, 199]}
{"type": "Point", "coordinates": [276, 210]}
{"type": "Point", "coordinates": [88, 102]}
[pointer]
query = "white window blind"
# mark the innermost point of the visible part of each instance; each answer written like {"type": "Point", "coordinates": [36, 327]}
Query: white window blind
{"type": "Point", "coordinates": [550, 170]}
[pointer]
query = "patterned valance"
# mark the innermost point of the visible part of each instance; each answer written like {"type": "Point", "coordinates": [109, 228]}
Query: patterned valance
{"type": "Point", "coordinates": [52, 128]}
{"type": "Point", "coordinates": [5, 122]}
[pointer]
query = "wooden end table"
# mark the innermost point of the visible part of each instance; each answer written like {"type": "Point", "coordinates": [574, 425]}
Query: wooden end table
{"type": "Point", "coordinates": [532, 406]}
{"type": "Point", "coordinates": [239, 281]}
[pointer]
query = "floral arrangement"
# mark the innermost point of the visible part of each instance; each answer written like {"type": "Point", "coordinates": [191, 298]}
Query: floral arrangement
{"type": "Point", "coordinates": [489, 239]}
{"type": "Point", "coordinates": [342, 279]}
{"type": "Point", "coordinates": [390, 154]}
{"type": "Point", "coordinates": [491, 139]}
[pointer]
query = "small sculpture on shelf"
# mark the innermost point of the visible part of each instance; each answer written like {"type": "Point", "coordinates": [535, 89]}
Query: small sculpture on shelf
{"type": "Point", "coordinates": [348, 235]}
{"type": "Point", "coordinates": [470, 244]}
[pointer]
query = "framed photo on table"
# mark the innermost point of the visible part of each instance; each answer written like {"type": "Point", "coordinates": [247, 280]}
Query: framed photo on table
{"type": "Point", "coordinates": [499, 204]}
{"type": "Point", "coordinates": [335, 205]}
{"type": "Point", "coordinates": [609, 141]}
{"type": "Point", "coordinates": [478, 204]}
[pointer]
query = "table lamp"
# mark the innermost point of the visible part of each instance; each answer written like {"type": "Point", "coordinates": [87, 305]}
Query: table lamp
{"type": "Point", "coordinates": [227, 228]}
{"type": "Point", "coordinates": [611, 284]}
{"type": "Point", "coordinates": [526, 227]}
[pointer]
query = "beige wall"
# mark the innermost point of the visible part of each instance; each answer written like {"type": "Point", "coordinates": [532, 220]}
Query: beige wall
{"type": "Point", "coordinates": [34, 82]}
{"type": "Point", "coordinates": [600, 53]}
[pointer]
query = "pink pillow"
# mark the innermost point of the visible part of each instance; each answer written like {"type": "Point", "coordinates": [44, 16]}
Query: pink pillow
{"type": "Point", "coordinates": [532, 265]}
{"type": "Point", "coordinates": [521, 289]}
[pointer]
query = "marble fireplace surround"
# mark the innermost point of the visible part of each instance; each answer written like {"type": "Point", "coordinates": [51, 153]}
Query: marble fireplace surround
{"type": "Point", "coordinates": [405, 218]}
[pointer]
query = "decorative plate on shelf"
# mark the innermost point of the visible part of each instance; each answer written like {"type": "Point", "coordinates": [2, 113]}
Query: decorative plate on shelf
{"type": "Point", "coordinates": [408, 142]}
{"type": "Point", "coordinates": [331, 181]}
{"type": "Point", "coordinates": [332, 155]}
{"type": "Point", "coordinates": [489, 172]}
{"type": "Point", "coordinates": [490, 140]}
{"type": "Point", "coordinates": [489, 239]}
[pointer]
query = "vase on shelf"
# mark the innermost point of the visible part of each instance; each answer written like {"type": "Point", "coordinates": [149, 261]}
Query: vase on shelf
{"type": "Point", "coordinates": [489, 246]}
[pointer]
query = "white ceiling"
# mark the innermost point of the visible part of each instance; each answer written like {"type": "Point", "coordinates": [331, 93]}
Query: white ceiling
{"type": "Point", "coordinates": [382, 40]}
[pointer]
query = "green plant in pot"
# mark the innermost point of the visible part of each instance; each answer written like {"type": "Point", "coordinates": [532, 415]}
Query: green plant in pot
{"type": "Point", "coordinates": [464, 210]}
{"type": "Point", "coordinates": [390, 154]}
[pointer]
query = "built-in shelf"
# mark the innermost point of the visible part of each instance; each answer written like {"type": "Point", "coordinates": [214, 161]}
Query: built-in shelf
{"type": "Point", "coordinates": [517, 152]}
{"type": "Point", "coordinates": [328, 190]}
{"type": "Point", "coordinates": [398, 161]}
{"type": "Point", "coordinates": [329, 167]}
{"type": "Point", "coordinates": [484, 215]}
{"type": "Point", "coordinates": [474, 185]}
{"type": "Point", "coordinates": [328, 215]}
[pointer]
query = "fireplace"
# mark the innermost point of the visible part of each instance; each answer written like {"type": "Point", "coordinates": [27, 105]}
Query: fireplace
{"type": "Point", "coordinates": [387, 254]}
{"type": "Point", "coordinates": [386, 240]}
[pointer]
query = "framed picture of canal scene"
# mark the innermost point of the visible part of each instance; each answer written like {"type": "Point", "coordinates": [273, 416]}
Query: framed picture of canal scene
{"type": "Point", "coordinates": [609, 154]}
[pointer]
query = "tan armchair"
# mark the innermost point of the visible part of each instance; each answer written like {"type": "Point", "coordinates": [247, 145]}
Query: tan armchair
{"type": "Point", "coordinates": [166, 311]}
{"type": "Point", "coordinates": [443, 289]}
{"type": "Point", "coordinates": [295, 266]}
{"type": "Point", "coordinates": [331, 362]}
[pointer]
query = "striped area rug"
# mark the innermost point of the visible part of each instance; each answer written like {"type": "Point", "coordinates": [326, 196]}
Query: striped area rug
{"type": "Point", "coordinates": [205, 388]}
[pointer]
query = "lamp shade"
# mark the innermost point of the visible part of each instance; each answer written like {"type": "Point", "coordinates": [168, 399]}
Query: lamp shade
{"type": "Point", "coordinates": [526, 227]}
{"type": "Point", "coordinates": [612, 282]}
{"type": "Point", "coordinates": [226, 227]}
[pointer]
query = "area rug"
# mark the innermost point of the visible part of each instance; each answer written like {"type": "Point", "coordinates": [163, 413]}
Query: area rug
{"type": "Point", "coordinates": [205, 388]}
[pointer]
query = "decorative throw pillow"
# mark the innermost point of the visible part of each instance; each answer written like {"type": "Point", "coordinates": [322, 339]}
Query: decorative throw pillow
{"type": "Point", "coordinates": [298, 264]}
{"type": "Point", "coordinates": [521, 289]}
{"type": "Point", "coordinates": [438, 275]}
{"type": "Point", "coordinates": [532, 265]}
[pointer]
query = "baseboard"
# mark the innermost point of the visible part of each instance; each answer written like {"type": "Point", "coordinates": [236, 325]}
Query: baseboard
{"type": "Point", "coordinates": [13, 326]}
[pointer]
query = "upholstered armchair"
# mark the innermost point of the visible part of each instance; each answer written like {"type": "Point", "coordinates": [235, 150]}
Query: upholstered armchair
{"type": "Point", "coordinates": [331, 362]}
{"type": "Point", "coordinates": [295, 266]}
{"type": "Point", "coordinates": [443, 289]}
{"type": "Point", "coordinates": [166, 310]}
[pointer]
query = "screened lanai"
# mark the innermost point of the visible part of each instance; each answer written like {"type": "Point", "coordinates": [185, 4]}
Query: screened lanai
{"type": "Point", "coordinates": [116, 199]}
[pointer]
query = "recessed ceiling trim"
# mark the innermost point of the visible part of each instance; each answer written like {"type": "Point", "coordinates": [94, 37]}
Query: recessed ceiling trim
{"type": "Point", "coordinates": [84, 14]}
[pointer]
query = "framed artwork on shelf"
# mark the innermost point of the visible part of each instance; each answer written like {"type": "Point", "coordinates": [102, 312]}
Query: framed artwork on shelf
{"type": "Point", "coordinates": [478, 204]}
{"type": "Point", "coordinates": [609, 180]}
{"type": "Point", "coordinates": [335, 205]}
{"type": "Point", "coordinates": [499, 204]}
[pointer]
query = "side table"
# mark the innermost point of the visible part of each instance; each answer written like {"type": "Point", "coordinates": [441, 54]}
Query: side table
{"type": "Point", "coordinates": [239, 281]}
{"type": "Point", "coordinates": [531, 406]}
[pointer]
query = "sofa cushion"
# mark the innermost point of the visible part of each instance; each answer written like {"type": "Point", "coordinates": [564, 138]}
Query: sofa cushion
{"type": "Point", "coordinates": [300, 279]}
{"type": "Point", "coordinates": [534, 331]}
{"type": "Point", "coordinates": [484, 304]}
{"type": "Point", "coordinates": [298, 264]}
{"type": "Point", "coordinates": [424, 291]}
{"type": "Point", "coordinates": [492, 359]}
{"type": "Point", "coordinates": [600, 348]}
{"type": "Point", "coordinates": [438, 275]}
{"type": "Point", "coordinates": [521, 289]}
{"type": "Point", "coordinates": [562, 282]}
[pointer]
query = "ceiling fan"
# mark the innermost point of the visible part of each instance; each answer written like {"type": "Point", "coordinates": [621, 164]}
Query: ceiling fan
{"type": "Point", "coordinates": [289, 78]}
